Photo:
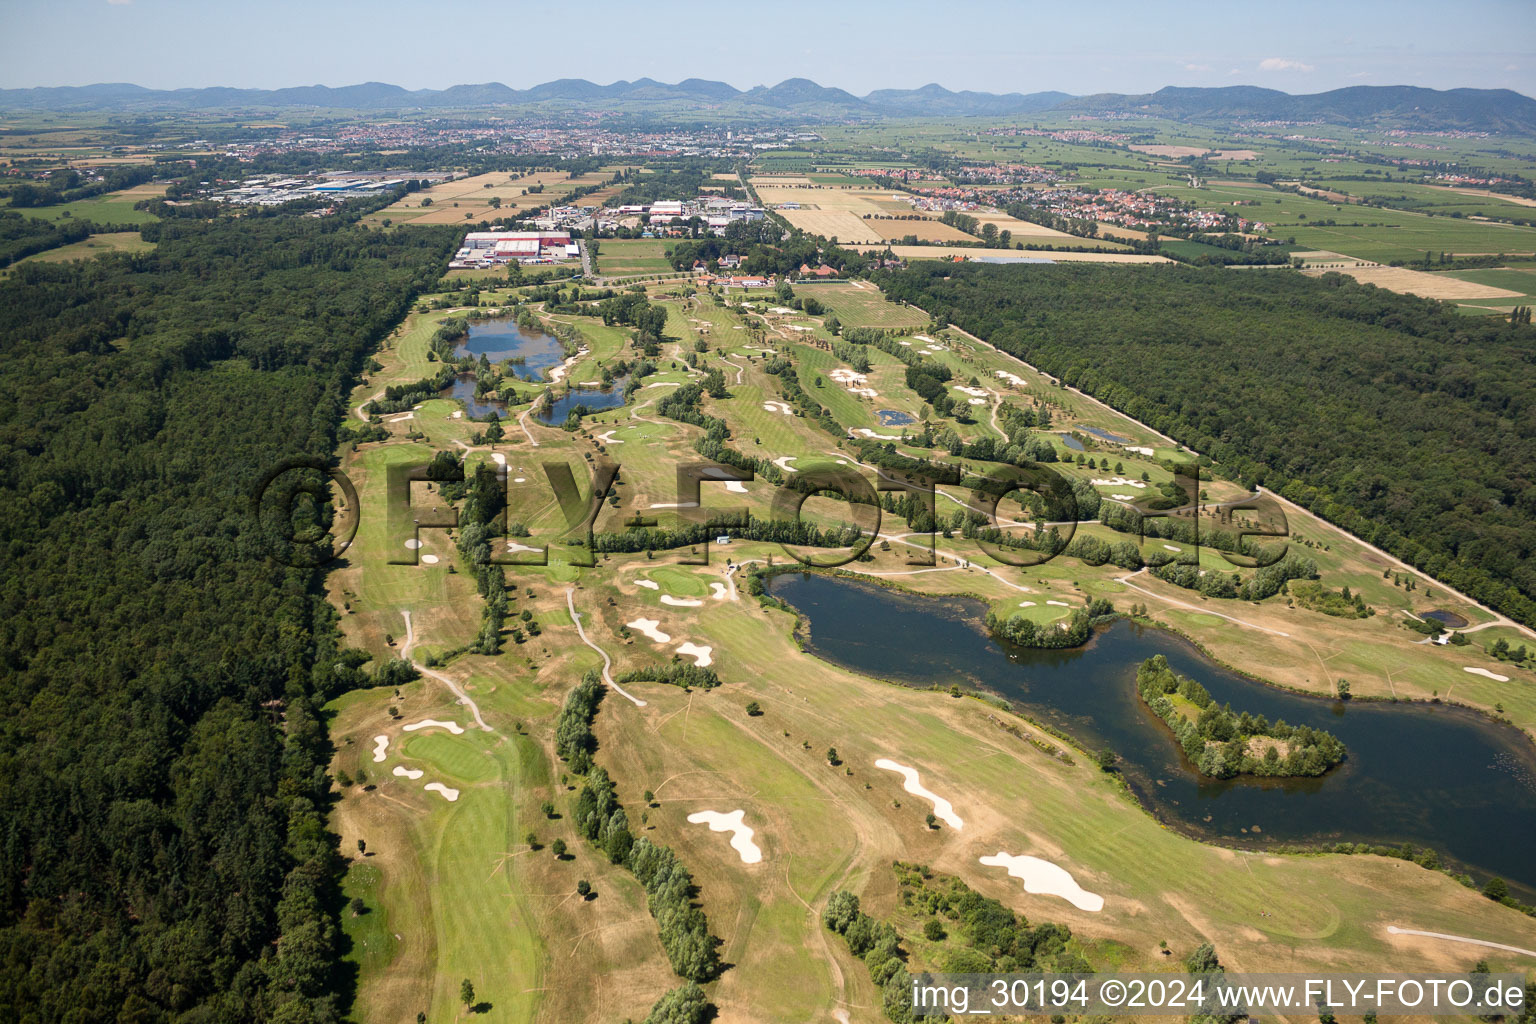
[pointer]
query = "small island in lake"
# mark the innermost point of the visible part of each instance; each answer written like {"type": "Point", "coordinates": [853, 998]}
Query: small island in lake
{"type": "Point", "coordinates": [1222, 743]}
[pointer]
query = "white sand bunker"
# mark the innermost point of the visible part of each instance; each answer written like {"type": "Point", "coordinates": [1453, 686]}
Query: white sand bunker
{"type": "Point", "coordinates": [843, 375]}
{"type": "Point", "coordinates": [449, 794]}
{"type": "Point", "coordinates": [906, 343]}
{"type": "Point", "coordinates": [513, 545]}
{"type": "Point", "coordinates": [648, 584]}
{"type": "Point", "coordinates": [942, 809]}
{"type": "Point", "coordinates": [779, 407]}
{"type": "Point", "coordinates": [973, 392]}
{"type": "Point", "coordinates": [741, 836]}
{"type": "Point", "coordinates": [1170, 547]}
{"type": "Point", "coordinates": [1486, 674]}
{"type": "Point", "coordinates": [380, 748]}
{"type": "Point", "coordinates": [1042, 878]}
{"type": "Point", "coordinates": [1026, 604]}
{"type": "Point", "coordinates": [427, 723]}
{"type": "Point", "coordinates": [412, 544]}
{"type": "Point", "coordinates": [607, 437]}
{"type": "Point", "coordinates": [977, 401]}
{"type": "Point", "coordinates": [720, 591]}
{"type": "Point", "coordinates": [783, 462]}
{"type": "Point", "coordinates": [1118, 481]}
{"type": "Point", "coordinates": [702, 656]}
{"type": "Point", "coordinates": [520, 480]}
{"type": "Point", "coordinates": [458, 414]}
{"type": "Point", "coordinates": [1011, 378]}
{"type": "Point", "coordinates": [409, 773]}
{"type": "Point", "coordinates": [648, 627]}
{"type": "Point", "coordinates": [1123, 497]}
{"type": "Point", "coordinates": [736, 487]}
{"type": "Point", "coordinates": [428, 559]}
{"type": "Point", "coordinates": [680, 602]}
{"type": "Point", "coordinates": [498, 458]}
{"type": "Point", "coordinates": [407, 416]}
{"type": "Point", "coordinates": [1059, 604]}
{"type": "Point", "coordinates": [1139, 450]}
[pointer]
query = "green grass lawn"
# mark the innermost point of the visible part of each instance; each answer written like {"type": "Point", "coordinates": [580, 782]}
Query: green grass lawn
{"type": "Point", "coordinates": [621, 256]}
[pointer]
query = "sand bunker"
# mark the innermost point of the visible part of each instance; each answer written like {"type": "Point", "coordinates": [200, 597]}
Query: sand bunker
{"type": "Point", "coordinates": [428, 559]}
{"type": "Point", "coordinates": [1170, 547]}
{"type": "Point", "coordinates": [942, 809]}
{"type": "Point", "coordinates": [513, 545]}
{"type": "Point", "coordinates": [1124, 497]}
{"type": "Point", "coordinates": [448, 794]}
{"type": "Point", "coordinates": [741, 836]}
{"type": "Point", "coordinates": [883, 437]}
{"type": "Point", "coordinates": [665, 384]}
{"type": "Point", "coordinates": [648, 584]}
{"type": "Point", "coordinates": [1011, 378]}
{"type": "Point", "coordinates": [1026, 604]}
{"type": "Point", "coordinates": [702, 656]}
{"type": "Point", "coordinates": [1059, 604]}
{"type": "Point", "coordinates": [412, 544]}
{"type": "Point", "coordinates": [1486, 674]}
{"type": "Point", "coordinates": [974, 392]}
{"type": "Point", "coordinates": [409, 773]}
{"type": "Point", "coordinates": [498, 458]}
{"type": "Point", "coordinates": [520, 480]}
{"type": "Point", "coordinates": [720, 591]}
{"type": "Point", "coordinates": [1118, 481]}
{"type": "Point", "coordinates": [380, 748]}
{"type": "Point", "coordinates": [783, 462]}
{"type": "Point", "coordinates": [1139, 450]}
{"type": "Point", "coordinates": [427, 723]}
{"type": "Point", "coordinates": [1045, 878]}
{"type": "Point", "coordinates": [458, 414]}
{"type": "Point", "coordinates": [779, 407]}
{"type": "Point", "coordinates": [978, 401]}
{"type": "Point", "coordinates": [648, 628]}
{"type": "Point", "coordinates": [844, 375]}
{"type": "Point", "coordinates": [680, 602]}
{"type": "Point", "coordinates": [1042, 878]}
{"type": "Point", "coordinates": [407, 416]}
{"type": "Point", "coordinates": [607, 437]}
{"type": "Point", "coordinates": [736, 487]}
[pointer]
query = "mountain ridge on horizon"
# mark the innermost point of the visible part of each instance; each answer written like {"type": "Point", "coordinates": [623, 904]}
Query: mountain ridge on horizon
{"type": "Point", "coordinates": [801, 98]}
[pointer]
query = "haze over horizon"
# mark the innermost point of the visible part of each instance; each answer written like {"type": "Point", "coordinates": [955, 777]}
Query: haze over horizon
{"type": "Point", "coordinates": [986, 45]}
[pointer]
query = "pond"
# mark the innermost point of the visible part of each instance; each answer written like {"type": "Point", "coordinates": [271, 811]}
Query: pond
{"type": "Point", "coordinates": [1446, 618]}
{"type": "Point", "coordinates": [501, 338]}
{"type": "Point", "coordinates": [1073, 443]}
{"type": "Point", "coordinates": [595, 399]}
{"type": "Point", "coordinates": [463, 389]}
{"type": "Point", "coordinates": [894, 418]}
{"type": "Point", "coordinates": [1103, 435]}
{"type": "Point", "coordinates": [1430, 775]}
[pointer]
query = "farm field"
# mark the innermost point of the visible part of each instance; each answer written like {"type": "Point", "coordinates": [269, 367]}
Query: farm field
{"type": "Point", "coordinates": [938, 252]}
{"type": "Point", "coordinates": [1425, 285]}
{"type": "Point", "coordinates": [111, 208]}
{"type": "Point", "coordinates": [617, 257]}
{"type": "Point", "coordinates": [95, 245]}
{"type": "Point", "coordinates": [470, 198]}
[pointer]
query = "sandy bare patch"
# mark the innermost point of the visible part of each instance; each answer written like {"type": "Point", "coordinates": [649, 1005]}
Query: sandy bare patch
{"type": "Point", "coordinates": [409, 773]}
{"type": "Point", "coordinates": [648, 628]}
{"type": "Point", "coordinates": [380, 748]}
{"type": "Point", "coordinates": [1486, 674]}
{"type": "Point", "coordinates": [741, 835]}
{"type": "Point", "coordinates": [429, 723]}
{"type": "Point", "coordinates": [680, 602]}
{"type": "Point", "coordinates": [702, 656]}
{"type": "Point", "coordinates": [942, 808]}
{"type": "Point", "coordinates": [1042, 878]}
{"type": "Point", "coordinates": [449, 793]}
{"type": "Point", "coordinates": [1425, 285]}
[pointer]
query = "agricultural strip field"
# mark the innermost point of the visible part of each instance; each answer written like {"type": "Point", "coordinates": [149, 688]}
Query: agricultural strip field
{"type": "Point", "coordinates": [618, 257]}
{"type": "Point", "coordinates": [939, 252]}
{"type": "Point", "coordinates": [1425, 285]}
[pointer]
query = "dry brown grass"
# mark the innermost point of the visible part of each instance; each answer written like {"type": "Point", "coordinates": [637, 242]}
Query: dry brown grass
{"type": "Point", "coordinates": [839, 224]}
{"type": "Point", "coordinates": [926, 230]}
{"type": "Point", "coordinates": [934, 252]}
{"type": "Point", "coordinates": [1424, 285]}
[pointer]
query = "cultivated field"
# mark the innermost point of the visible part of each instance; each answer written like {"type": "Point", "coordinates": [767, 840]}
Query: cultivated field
{"type": "Point", "coordinates": [96, 245]}
{"type": "Point", "coordinates": [617, 257]}
{"type": "Point", "coordinates": [1425, 285]}
{"type": "Point", "coordinates": [937, 252]}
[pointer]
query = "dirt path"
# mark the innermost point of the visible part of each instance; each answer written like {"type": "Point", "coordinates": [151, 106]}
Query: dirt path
{"type": "Point", "coordinates": [464, 698]}
{"type": "Point", "coordinates": [1393, 929]}
{"type": "Point", "coordinates": [1195, 608]}
{"type": "Point", "coordinates": [521, 422]}
{"type": "Point", "coordinates": [739, 369]}
{"type": "Point", "coordinates": [570, 602]}
{"type": "Point", "coordinates": [371, 398]}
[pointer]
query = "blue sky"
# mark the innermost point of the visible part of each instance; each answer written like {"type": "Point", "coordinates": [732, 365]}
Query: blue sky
{"type": "Point", "coordinates": [1105, 46]}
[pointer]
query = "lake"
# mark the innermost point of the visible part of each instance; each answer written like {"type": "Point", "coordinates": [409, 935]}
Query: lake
{"type": "Point", "coordinates": [1103, 435]}
{"type": "Point", "coordinates": [895, 418]}
{"type": "Point", "coordinates": [463, 389]}
{"type": "Point", "coordinates": [501, 338]}
{"type": "Point", "coordinates": [1430, 775]}
{"type": "Point", "coordinates": [595, 399]}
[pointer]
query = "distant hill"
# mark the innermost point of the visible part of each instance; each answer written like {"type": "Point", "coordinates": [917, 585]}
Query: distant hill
{"type": "Point", "coordinates": [804, 100]}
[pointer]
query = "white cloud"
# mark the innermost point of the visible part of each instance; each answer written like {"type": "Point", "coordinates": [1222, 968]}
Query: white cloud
{"type": "Point", "coordinates": [1360, 74]}
{"type": "Point", "coordinates": [1283, 64]}
{"type": "Point", "coordinates": [1197, 67]}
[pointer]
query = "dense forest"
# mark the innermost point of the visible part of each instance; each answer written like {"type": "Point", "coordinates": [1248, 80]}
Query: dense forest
{"type": "Point", "coordinates": [1408, 424]}
{"type": "Point", "coordinates": [162, 757]}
